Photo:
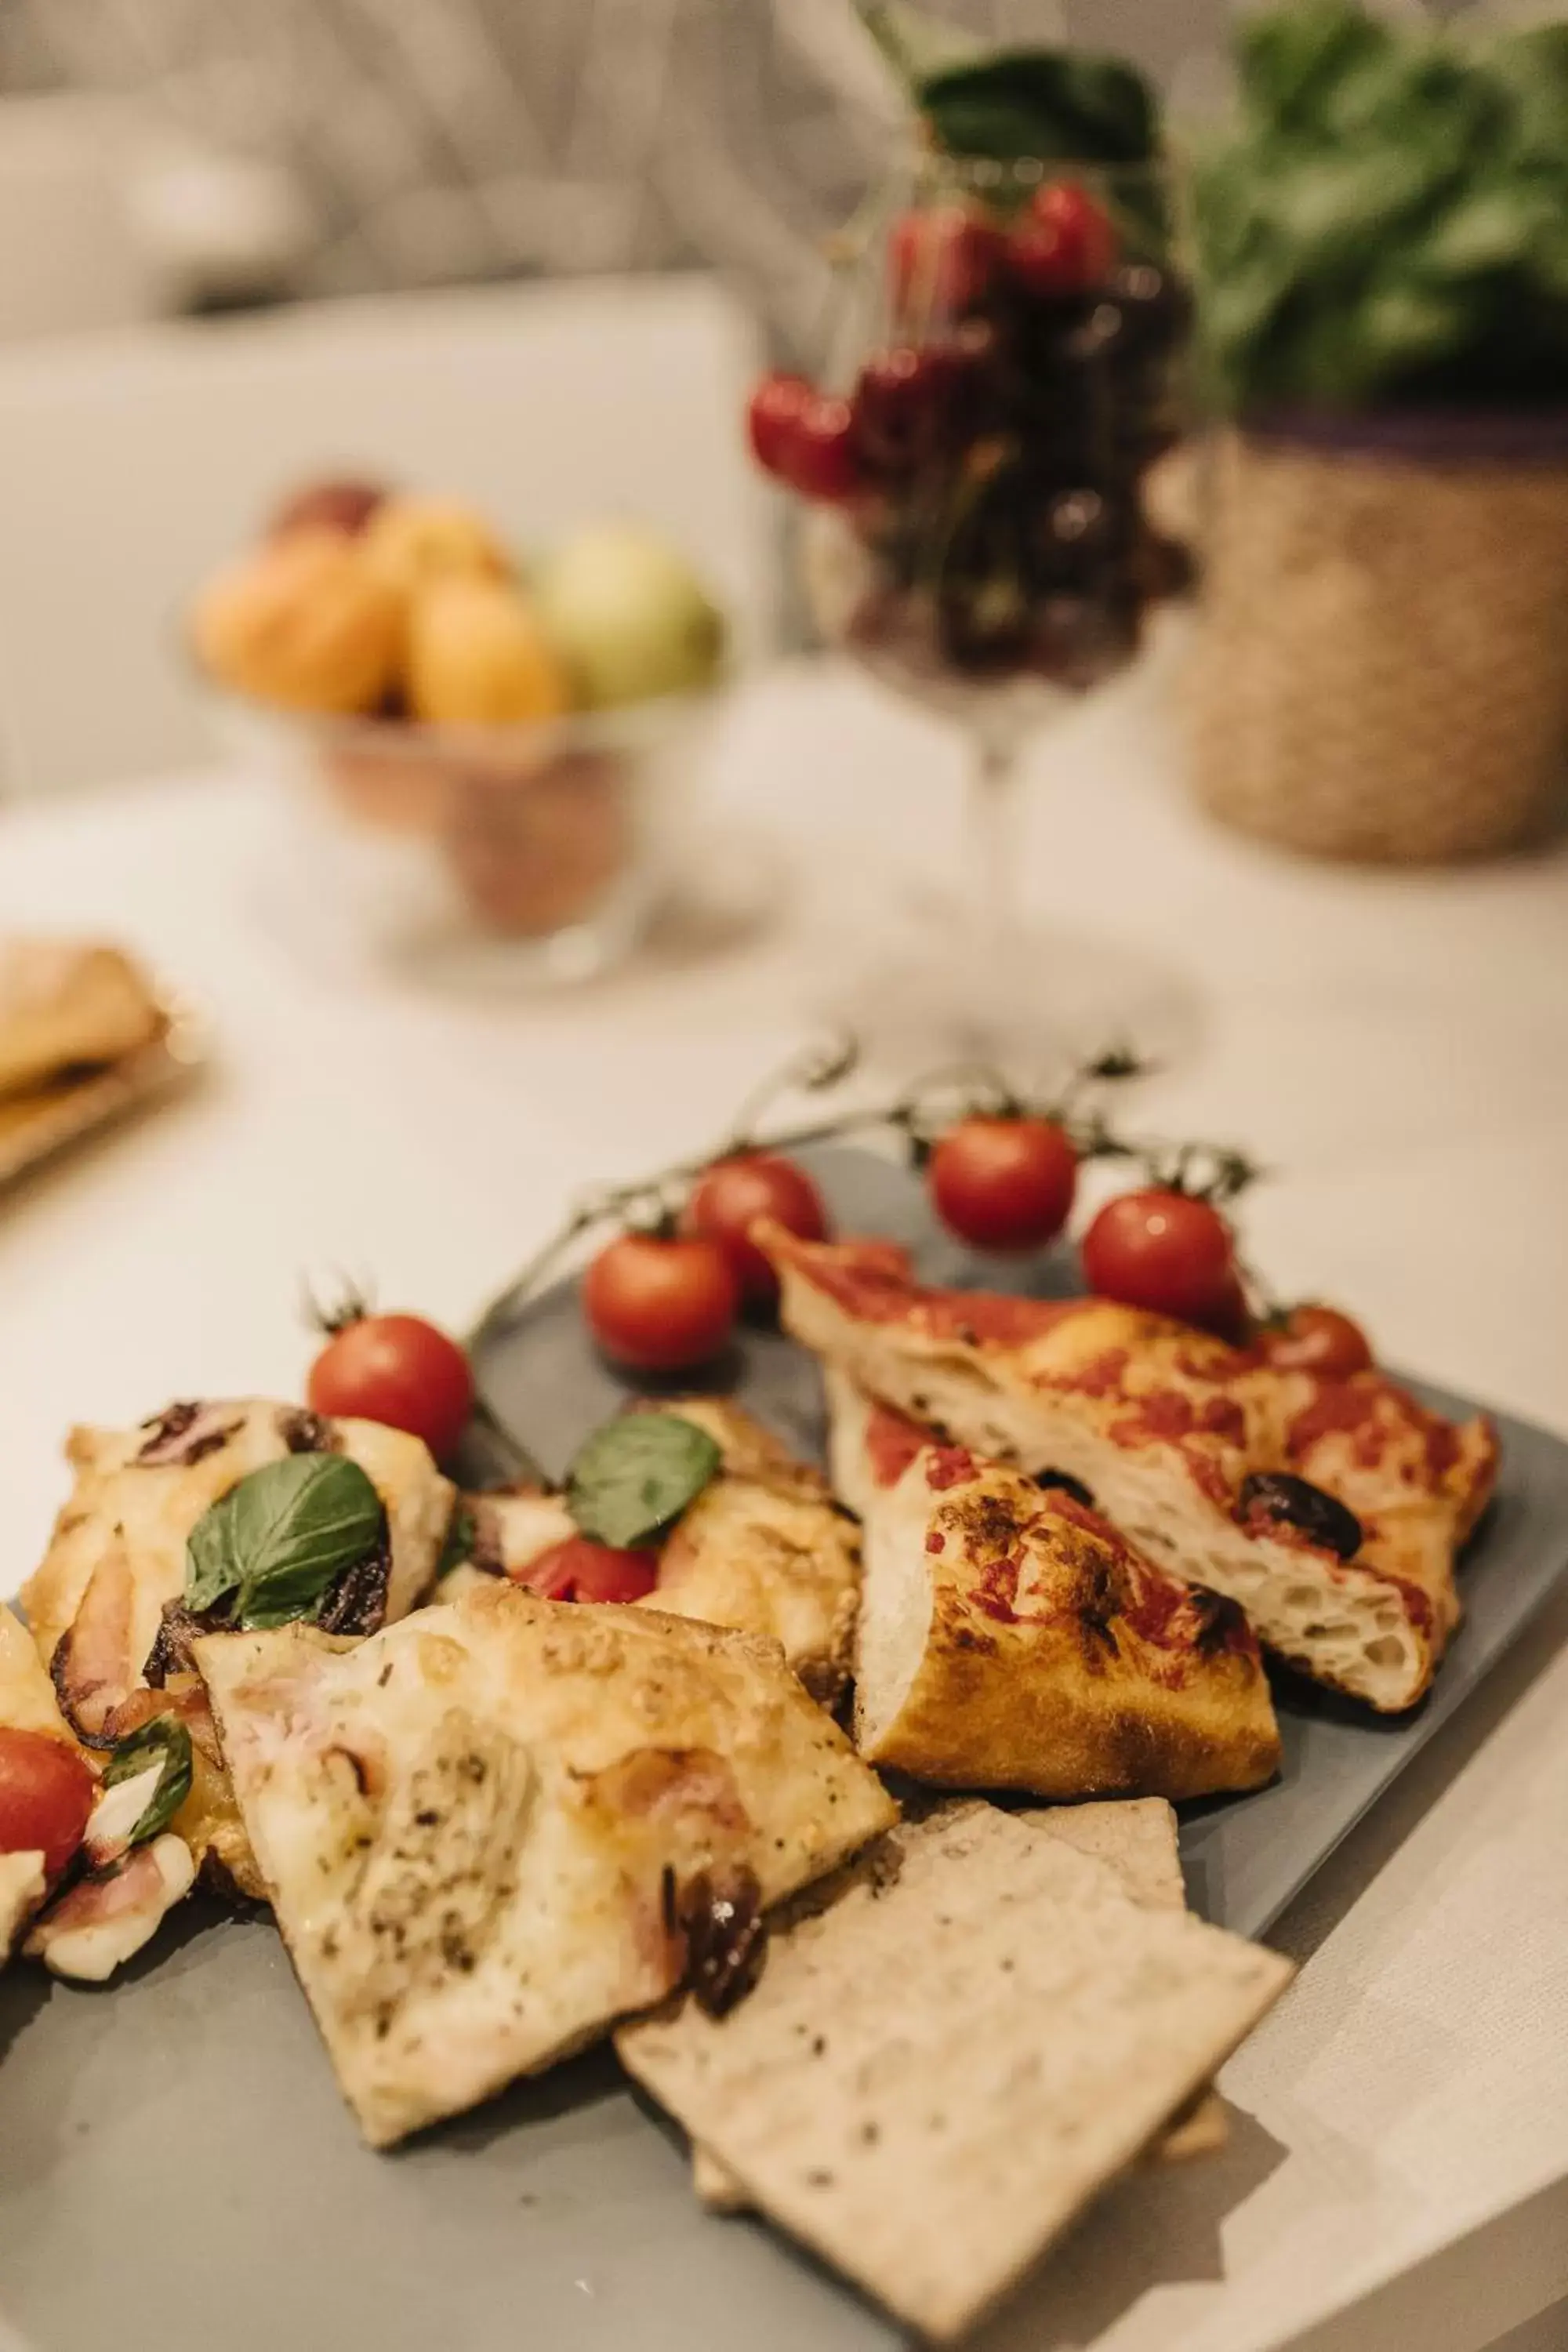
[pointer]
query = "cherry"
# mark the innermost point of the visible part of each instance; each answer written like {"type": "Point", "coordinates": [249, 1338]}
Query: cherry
{"type": "Point", "coordinates": [941, 260]}
{"type": "Point", "coordinates": [772, 416]}
{"type": "Point", "coordinates": [819, 458]}
{"type": "Point", "coordinates": [1063, 244]}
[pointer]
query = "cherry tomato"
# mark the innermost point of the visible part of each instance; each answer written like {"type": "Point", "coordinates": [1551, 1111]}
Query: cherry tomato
{"type": "Point", "coordinates": [733, 1194]}
{"type": "Point", "coordinates": [941, 259]}
{"type": "Point", "coordinates": [1004, 1183]}
{"type": "Point", "coordinates": [578, 1569]}
{"type": "Point", "coordinates": [1162, 1250]}
{"type": "Point", "coordinates": [1064, 244]}
{"type": "Point", "coordinates": [397, 1370]}
{"type": "Point", "coordinates": [1315, 1338]}
{"type": "Point", "coordinates": [819, 459]}
{"type": "Point", "coordinates": [772, 416]}
{"type": "Point", "coordinates": [658, 1305]}
{"type": "Point", "coordinates": [46, 1795]}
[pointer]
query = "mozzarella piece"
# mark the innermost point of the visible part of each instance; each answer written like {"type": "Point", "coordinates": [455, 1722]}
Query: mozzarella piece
{"type": "Point", "coordinates": [102, 1922]}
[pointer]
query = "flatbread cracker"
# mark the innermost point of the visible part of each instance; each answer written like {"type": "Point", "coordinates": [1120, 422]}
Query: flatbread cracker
{"type": "Point", "coordinates": [938, 2070]}
{"type": "Point", "coordinates": [1136, 1838]}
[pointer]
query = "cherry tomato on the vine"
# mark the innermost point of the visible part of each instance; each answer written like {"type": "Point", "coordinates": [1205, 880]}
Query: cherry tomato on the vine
{"type": "Point", "coordinates": [1314, 1338]}
{"type": "Point", "coordinates": [660, 1305]}
{"type": "Point", "coordinates": [728, 1199]}
{"type": "Point", "coordinates": [398, 1369]}
{"type": "Point", "coordinates": [46, 1795]}
{"type": "Point", "coordinates": [1004, 1183]}
{"type": "Point", "coordinates": [1163, 1251]}
{"type": "Point", "coordinates": [578, 1569]}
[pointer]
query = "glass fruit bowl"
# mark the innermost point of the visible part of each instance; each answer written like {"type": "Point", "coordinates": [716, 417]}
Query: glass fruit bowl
{"type": "Point", "coordinates": [533, 851]}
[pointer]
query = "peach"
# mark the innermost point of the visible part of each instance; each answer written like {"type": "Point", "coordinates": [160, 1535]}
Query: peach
{"type": "Point", "coordinates": [412, 541]}
{"type": "Point", "coordinates": [303, 623]}
{"type": "Point", "coordinates": [477, 656]}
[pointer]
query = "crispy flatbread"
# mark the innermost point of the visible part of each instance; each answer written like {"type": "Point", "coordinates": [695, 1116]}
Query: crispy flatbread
{"type": "Point", "coordinates": [1136, 1838]}
{"type": "Point", "coordinates": [1010, 1638]}
{"type": "Point", "coordinates": [64, 1005]}
{"type": "Point", "coordinates": [484, 1830]}
{"type": "Point", "coordinates": [762, 1549]}
{"type": "Point", "coordinates": [940, 2069]}
{"type": "Point", "coordinates": [1343, 1556]}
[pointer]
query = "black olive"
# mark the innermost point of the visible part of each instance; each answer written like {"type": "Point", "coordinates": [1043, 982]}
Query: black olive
{"type": "Point", "coordinates": [1297, 1503]}
{"type": "Point", "coordinates": [1067, 1483]}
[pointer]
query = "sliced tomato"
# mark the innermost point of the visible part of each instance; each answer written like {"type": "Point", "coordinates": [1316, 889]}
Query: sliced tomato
{"type": "Point", "coordinates": [47, 1792]}
{"type": "Point", "coordinates": [578, 1569]}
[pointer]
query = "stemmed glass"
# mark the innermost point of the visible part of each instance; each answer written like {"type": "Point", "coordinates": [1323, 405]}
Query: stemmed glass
{"type": "Point", "coordinates": [1006, 375]}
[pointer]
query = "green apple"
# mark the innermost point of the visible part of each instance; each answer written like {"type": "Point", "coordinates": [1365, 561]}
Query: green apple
{"type": "Point", "coordinates": [628, 617]}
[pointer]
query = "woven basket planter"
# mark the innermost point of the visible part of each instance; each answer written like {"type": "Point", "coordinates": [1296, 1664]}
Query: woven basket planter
{"type": "Point", "coordinates": [1382, 666]}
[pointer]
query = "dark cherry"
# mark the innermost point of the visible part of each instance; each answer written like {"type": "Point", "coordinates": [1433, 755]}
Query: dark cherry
{"type": "Point", "coordinates": [1063, 243]}
{"type": "Point", "coordinates": [820, 459]}
{"type": "Point", "coordinates": [1155, 304]}
{"type": "Point", "coordinates": [915, 404]}
{"type": "Point", "coordinates": [1275, 1495]}
{"type": "Point", "coordinates": [941, 259]}
{"type": "Point", "coordinates": [773, 414]}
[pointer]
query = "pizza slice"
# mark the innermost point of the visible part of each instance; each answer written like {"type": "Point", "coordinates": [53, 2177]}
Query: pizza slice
{"type": "Point", "coordinates": [493, 1829]}
{"type": "Point", "coordinates": [1333, 1510]}
{"type": "Point", "coordinates": [1010, 1638]}
{"type": "Point", "coordinates": [762, 1549]}
{"type": "Point", "coordinates": [109, 1595]}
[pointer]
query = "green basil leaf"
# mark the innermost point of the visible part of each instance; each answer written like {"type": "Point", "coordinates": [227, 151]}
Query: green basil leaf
{"type": "Point", "coordinates": [458, 1542]}
{"type": "Point", "coordinates": [280, 1539]}
{"type": "Point", "coordinates": [212, 1566]}
{"type": "Point", "coordinates": [166, 1738]}
{"type": "Point", "coordinates": [638, 1473]}
{"type": "Point", "coordinates": [1058, 105]}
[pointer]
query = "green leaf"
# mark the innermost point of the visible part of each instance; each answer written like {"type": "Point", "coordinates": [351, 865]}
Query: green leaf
{"type": "Point", "coordinates": [166, 1739]}
{"type": "Point", "coordinates": [1291, 58]}
{"type": "Point", "coordinates": [458, 1544]}
{"type": "Point", "coordinates": [1058, 105]}
{"type": "Point", "coordinates": [638, 1473]}
{"type": "Point", "coordinates": [281, 1537]}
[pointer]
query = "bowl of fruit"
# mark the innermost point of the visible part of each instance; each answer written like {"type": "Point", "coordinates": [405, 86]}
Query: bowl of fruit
{"type": "Point", "coordinates": [491, 763]}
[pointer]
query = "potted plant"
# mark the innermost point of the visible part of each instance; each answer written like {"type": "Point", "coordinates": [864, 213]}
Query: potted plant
{"type": "Point", "coordinates": [1381, 244]}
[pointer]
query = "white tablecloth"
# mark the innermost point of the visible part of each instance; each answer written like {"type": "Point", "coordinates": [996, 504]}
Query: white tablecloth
{"type": "Point", "coordinates": [1394, 1045]}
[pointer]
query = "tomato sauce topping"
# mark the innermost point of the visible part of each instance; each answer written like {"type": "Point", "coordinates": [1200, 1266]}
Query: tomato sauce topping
{"type": "Point", "coordinates": [892, 1441]}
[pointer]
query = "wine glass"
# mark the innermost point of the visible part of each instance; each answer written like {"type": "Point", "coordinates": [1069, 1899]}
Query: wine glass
{"type": "Point", "coordinates": [1006, 374]}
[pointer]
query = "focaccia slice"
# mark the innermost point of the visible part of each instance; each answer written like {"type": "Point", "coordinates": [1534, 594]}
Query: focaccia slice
{"type": "Point", "coordinates": [494, 1828]}
{"type": "Point", "coordinates": [117, 1560]}
{"type": "Point", "coordinates": [1009, 1638]}
{"type": "Point", "coordinates": [1331, 1509]}
{"type": "Point", "coordinates": [946, 2061]}
{"type": "Point", "coordinates": [64, 1005]}
{"type": "Point", "coordinates": [763, 1548]}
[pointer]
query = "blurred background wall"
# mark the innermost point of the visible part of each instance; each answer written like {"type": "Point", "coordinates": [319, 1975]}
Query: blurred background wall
{"type": "Point", "coordinates": [333, 146]}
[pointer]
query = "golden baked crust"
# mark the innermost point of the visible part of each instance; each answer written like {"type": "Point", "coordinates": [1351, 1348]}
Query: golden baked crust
{"type": "Point", "coordinates": [64, 1003]}
{"type": "Point", "coordinates": [1010, 1639]}
{"type": "Point", "coordinates": [1169, 1429]}
{"type": "Point", "coordinates": [478, 1826]}
{"type": "Point", "coordinates": [763, 1550]}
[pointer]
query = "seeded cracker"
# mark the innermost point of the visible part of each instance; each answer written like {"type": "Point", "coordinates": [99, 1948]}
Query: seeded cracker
{"type": "Point", "coordinates": [935, 2074]}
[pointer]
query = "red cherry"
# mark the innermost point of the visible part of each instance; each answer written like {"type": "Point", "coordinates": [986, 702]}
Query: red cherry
{"type": "Point", "coordinates": [771, 415]}
{"type": "Point", "coordinates": [819, 459]}
{"type": "Point", "coordinates": [941, 259]}
{"type": "Point", "coordinates": [1064, 244]}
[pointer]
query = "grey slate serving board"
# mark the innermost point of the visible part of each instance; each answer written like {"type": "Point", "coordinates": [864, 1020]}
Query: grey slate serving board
{"type": "Point", "coordinates": [176, 2170]}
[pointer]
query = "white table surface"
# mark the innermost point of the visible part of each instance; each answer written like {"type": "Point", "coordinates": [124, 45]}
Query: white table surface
{"type": "Point", "coordinates": [1394, 1045]}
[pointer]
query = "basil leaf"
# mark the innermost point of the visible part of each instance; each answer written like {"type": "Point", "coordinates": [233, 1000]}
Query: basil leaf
{"type": "Point", "coordinates": [280, 1537]}
{"type": "Point", "coordinates": [212, 1565]}
{"type": "Point", "coordinates": [1057, 105]}
{"type": "Point", "coordinates": [457, 1545]}
{"type": "Point", "coordinates": [165, 1737]}
{"type": "Point", "coordinates": [638, 1473]}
